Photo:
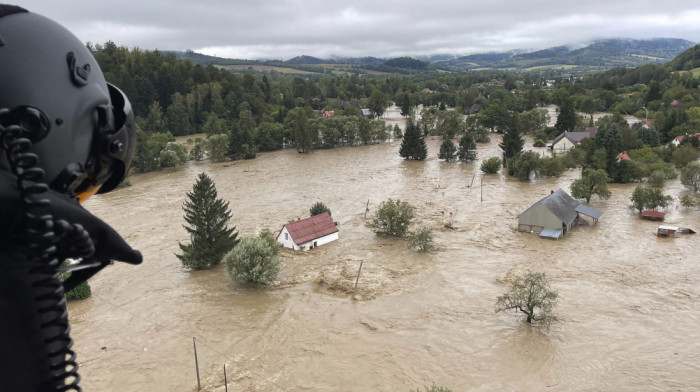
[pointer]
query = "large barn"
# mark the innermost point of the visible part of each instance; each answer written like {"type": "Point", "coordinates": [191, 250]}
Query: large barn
{"type": "Point", "coordinates": [554, 215]}
{"type": "Point", "coordinates": [308, 233]}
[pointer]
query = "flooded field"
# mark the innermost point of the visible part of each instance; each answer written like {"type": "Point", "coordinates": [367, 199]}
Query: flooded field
{"type": "Point", "coordinates": [628, 300]}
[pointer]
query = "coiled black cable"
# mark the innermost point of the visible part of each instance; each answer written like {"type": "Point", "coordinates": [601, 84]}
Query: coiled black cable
{"type": "Point", "coordinates": [41, 256]}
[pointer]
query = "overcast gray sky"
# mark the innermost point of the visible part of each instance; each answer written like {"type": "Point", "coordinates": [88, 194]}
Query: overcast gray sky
{"type": "Point", "coordinates": [286, 28]}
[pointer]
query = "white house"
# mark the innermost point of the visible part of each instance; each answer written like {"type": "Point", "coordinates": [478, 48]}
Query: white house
{"type": "Point", "coordinates": [677, 141]}
{"type": "Point", "coordinates": [308, 233]}
{"type": "Point", "coordinates": [570, 140]}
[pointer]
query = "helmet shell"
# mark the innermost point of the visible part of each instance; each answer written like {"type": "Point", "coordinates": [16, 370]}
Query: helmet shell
{"type": "Point", "coordinates": [45, 67]}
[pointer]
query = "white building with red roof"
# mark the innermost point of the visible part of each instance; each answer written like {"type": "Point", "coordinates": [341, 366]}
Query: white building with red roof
{"type": "Point", "coordinates": [308, 233]}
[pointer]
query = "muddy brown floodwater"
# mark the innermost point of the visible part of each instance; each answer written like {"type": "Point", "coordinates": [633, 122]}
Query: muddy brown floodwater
{"type": "Point", "coordinates": [628, 300]}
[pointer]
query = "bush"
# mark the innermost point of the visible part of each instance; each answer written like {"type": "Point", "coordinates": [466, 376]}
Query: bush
{"type": "Point", "coordinates": [690, 176]}
{"type": "Point", "coordinates": [540, 143]}
{"type": "Point", "coordinates": [422, 239]}
{"type": "Point", "coordinates": [197, 151]}
{"type": "Point", "coordinates": [393, 218]}
{"type": "Point", "coordinates": [552, 166]}
{"type": "Point", "coordinates": [255, 259]}
{"type": "Point", "coordinates": [667, 169]}
{"type": "Point", "coordinates": [657, 179]}
{"type": "Point", "coordinates": [491, 165]}
{"type": "Point", "coordinates": [80, 291]}
{"type": "Point", "coordinates": [319, 208]}
{"type": "Point", "coordinates": [684, 155]}
{"type": "Point", "coordinates": [125, 183]}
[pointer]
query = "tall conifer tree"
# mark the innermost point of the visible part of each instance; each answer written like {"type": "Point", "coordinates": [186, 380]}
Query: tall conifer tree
{"type": "Point", "coordinates": [413, 144]}
{"type": "Point", "coordinates": [467, 148]}
{"type": "Point", "coordinates": [206, 215]}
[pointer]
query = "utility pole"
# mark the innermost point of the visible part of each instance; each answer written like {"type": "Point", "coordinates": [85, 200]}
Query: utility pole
{"type": "Point", "coordinates": [357, 280]}
{"type": "Point", "coordinates": [196, 363]}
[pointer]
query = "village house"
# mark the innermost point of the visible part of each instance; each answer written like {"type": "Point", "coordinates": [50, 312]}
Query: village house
{"type": "Point", "coordinates": [570, 140]}
{"type": "Point", "coordinates": [678, 139]}
{"type": "Point", "coordinates": [554, 215]}
{"type": "Point", "coordinates": [308, 233]}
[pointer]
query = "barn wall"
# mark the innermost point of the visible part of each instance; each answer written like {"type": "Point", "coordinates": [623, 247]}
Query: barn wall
{"type": "Point", "coordinates": [538, 217]}
{"type": "Point", "coordinates": [563, 146]}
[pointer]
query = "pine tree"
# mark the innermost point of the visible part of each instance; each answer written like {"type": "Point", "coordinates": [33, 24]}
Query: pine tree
{"type": "Point", "coordinates": [413, 144]}
{"type": "Point", "coordinates": [512, 142]}
{"type": "Point", "coordinates": [467, 148]}
{"type": "Point", "coordinates": [405, 105]}
{"type": "Point", "coordinates": [447, 150]}
{"type": "Point", "coordinates": [207, 217]}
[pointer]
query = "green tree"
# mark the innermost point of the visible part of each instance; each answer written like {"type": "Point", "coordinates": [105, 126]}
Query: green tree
{"type": "Point", "coordinates": [684, 155]}
{"type": "Point", "coordinates": [295, 123]}
{"type": "Point", "coordinates": [206, 216]}
{"type": "Point", "coordinates": [592, 182]}
{"type": "Point", "coordinates": [421, 239]}
{"type": "Point", "coordinates": [690, 176]}
{"type": "Point", "coordinates": [198, 150]}
{"type": "Point", "coordinates": [467, 148]}
{"type": "Point", "coordinates": [566, 121]}
{"type": "Point", "coordinates": [512, 143]}
{"type": "Point", "coordinates": [531, 295]}
{"type": "Point", "coordinates": [319, 208]}
{"type": "Point", "coordinates": [154, 122]}
{"type": "Point", "coordinates": [491, 165]}
{"type": "Point", "coordinates": [657, 179]}
{"type": "Point", "coordinates": [413, 144]}
{"type": "Point", "coordinates": [217, 146]}
{"type": "Point", "coordinates": [405, 105]}
{"type": "Point", "coordinates": [524, 164]}
{"type": "Point", "coordinates": [552, 166]}
{"type": "Point", "coordinates": [177, 118]}
{"type": "Point", "coordinates": [378, 102]}
{"type": "Point", "coordinates": [447, 150]}
{"type": "Point", "coordinates": [174, 155]}
{"type": "Point", "coordinates": [393, 218]}
{"type": "Point", "coordinates": [397, 132]}
{"type": "Point", "coordinates": [649, 199]}
{"type": "Point", "coordinates": [215, 126]}
{"type": "Point", "coordinates": [255, 259]}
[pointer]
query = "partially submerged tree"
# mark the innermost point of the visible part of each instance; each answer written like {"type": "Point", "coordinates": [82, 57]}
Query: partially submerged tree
{"type": "Point", "coordinates": [649, 199]}
{"type": "Point", "coordinates": [467, 148]}
{"type": "Point", "coordinates": [422, 239]}
{"type": "Point", "coordinates": [690, 176]}
{"type": "Point", "coordinates": [413, 144]}
{"type": "Point", "coordinates": [393, 218]}
{"type": "Point", "coordinates": [491, 165]}
{"type": "Point", "coordinates": [447, 150]}
{"type": "Point", "coordinates": [319, 208]}
{"type": "Point", "coordinates": [433, 388]}
{"type": "Point", "coordinates": [531, 295]}
{"type": "Point", "coordinates": [255, 259]}
{"type": "Point", "coordinates": [206, 216]}
{"type": "Point", "coordinates": [591, 182]}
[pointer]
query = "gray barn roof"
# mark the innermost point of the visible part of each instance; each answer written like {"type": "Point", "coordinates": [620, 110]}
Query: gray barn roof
{"type": "Point", "coordinates": [560, 204]}
{"type": "Point", "coordinates": [585, 210]}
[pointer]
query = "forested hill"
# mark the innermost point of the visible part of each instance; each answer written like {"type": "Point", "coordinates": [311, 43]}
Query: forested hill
{"type": "Point", "coordinates": [686, 61]}
{"type": "Point", "coordinates": [603, 54]}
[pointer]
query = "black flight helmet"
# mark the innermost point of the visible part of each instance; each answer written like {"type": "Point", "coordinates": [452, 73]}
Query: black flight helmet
{"type": "Point", "coordinates": [81, 127]}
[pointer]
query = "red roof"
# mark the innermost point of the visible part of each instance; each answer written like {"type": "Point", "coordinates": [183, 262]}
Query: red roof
{"type": "Point", "coordinates": [653, 214]}
{"type": "Point", "coordinates": [309, 229]}
{"type": "Point", "coordinates": [623, 155]}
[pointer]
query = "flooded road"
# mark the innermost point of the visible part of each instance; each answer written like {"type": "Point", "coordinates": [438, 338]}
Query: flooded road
{"type": "Point", "coordinates": [628, 300]}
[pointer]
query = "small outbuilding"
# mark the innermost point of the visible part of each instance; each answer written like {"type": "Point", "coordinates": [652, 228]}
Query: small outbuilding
{"type": "Point", "coordinates": [554, 215]}
{"type": "Point", "coordinates": [308, 233]}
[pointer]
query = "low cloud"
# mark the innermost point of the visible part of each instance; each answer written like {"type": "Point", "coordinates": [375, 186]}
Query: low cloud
{"type": "Point", "coordinates": [288, 28]}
